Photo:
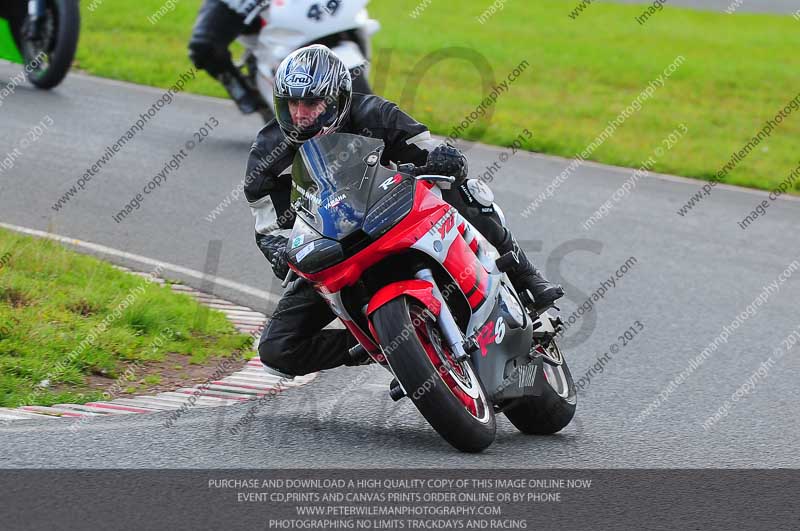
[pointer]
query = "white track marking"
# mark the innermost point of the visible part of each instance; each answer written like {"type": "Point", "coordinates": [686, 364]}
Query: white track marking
{"type": "Point", "coordinates": [165, 266]}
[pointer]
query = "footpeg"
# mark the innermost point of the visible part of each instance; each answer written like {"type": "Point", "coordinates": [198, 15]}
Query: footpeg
{"type": "Point", "coordinates": [358, 355]}
{"type": "Point", "coordinates": [470, 347]}
{"type": "Point", "coordinates": [395, 391]}
{"type": "Point", "coordinates": [529, 302]}
{"type": "Point", "coordinates": [541, 310]}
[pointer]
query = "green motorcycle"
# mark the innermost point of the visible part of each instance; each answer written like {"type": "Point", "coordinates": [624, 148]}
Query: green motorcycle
{"type": "Point", "coordinates": [42, 35]}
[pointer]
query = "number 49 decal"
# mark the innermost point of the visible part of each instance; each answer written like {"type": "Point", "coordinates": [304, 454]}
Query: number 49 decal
{"type": "Point", "coordinates": [316, 12]}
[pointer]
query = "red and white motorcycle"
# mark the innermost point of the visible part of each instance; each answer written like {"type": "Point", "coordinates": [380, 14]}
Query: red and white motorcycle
{"type": "Point", "coordinates": [424, 294]}
{"type": "Point", "coordinates": [343, 26]}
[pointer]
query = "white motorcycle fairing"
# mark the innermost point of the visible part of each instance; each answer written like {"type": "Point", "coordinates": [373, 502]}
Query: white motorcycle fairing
{"type": "Point", "coordinates": [292, 25]}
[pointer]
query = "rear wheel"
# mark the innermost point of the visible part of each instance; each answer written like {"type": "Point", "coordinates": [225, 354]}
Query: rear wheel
{"type": "Point", "coordinates": [554, 408]}
{"type": "Point", "coordinates": [52, 53]}
{"type": "Point", "coordinates": [448, 394]}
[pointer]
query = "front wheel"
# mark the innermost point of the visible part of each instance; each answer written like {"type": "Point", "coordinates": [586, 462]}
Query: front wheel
{"type": "Point", "coordinates": [554, 408]}
{"type": "Point", "coordinates": [448, 394]}
{"type": "Point", "coordinates": [49, 57]}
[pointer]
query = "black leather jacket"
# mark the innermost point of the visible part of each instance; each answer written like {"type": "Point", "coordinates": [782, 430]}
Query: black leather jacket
{"type": "Point", "coordinates": [268, 186]}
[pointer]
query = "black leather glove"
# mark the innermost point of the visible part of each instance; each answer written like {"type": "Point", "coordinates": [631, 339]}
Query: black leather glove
{"type": "Point", "coordinates": [447, 160]}
{"type": "Point", "coordinates": [274, 249]}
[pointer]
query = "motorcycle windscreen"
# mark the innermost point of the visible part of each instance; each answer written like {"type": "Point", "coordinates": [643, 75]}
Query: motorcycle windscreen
{"type": "Point", "coordinates": [330, 188]}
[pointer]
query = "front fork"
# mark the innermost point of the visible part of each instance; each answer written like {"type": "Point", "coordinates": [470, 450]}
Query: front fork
{"type": "Point", "coordinates": [449, 327]}
{"type": "Point", "coordinates": [36, 9]}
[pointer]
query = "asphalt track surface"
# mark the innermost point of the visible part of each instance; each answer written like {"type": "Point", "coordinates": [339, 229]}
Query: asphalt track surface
{"type": "Point", "coordinates": [692, 276]}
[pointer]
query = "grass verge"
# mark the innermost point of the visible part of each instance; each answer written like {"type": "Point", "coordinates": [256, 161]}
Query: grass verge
{"type": "Point", "coordinates": [739, 72]}
{"type": "Point", "coordinates": [72, 327]}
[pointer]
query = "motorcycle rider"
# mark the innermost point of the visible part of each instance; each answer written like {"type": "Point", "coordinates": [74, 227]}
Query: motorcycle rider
{"type": "Point", "coordinates": [218, 23]}
{"type": "Point", "coordinates": [313, 96]}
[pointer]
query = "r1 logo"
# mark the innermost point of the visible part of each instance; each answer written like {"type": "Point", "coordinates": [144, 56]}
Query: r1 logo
{"type": "Point", "coordinates": [391, 181]}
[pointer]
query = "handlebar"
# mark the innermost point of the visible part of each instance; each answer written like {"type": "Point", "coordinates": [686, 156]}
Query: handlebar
{"type": "Point", "coordinates": [420, 172]}
{"type": "Point", "coordinates": [438, 179]}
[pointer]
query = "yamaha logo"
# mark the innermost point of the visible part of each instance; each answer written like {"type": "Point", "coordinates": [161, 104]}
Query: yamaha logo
{"type": "Point", "coordinates": [298, 80]}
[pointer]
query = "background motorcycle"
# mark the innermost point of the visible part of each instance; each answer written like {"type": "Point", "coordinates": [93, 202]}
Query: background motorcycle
{"type": "Point", "coordinates": [342, 26]}
{"type": "Point", "coordinates": [424, 294]}
{"type": "Point", "coordinates": [43, 37]}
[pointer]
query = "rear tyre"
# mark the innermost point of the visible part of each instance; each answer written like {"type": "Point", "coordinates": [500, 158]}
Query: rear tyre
{"type": "Point", "coordinates": [554, 408]}
{"type": "Point", "coordinates": [54, 52]}
{"type": "Point", "coordinates": [448, 394]}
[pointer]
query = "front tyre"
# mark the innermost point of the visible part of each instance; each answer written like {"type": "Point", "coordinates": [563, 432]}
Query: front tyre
{"type": "Point", "coordinates": [554, 408]}
{"type": "Point", "coordinates": [53, 52]}
{"type": "Point", "coordinates": [448, 394]}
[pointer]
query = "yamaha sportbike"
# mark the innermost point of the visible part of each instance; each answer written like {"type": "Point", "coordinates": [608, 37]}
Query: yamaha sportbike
{"type": "Point", "coordinates": [42, 35]}
{"type": "Point", "coordinates": [424, 294]}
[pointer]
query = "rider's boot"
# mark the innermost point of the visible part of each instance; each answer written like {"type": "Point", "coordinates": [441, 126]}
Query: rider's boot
{"type": "Point", "coordinates": [476, 203]}
{"type": "Point", "coordinates": [240, 93]}
{"type": "Point", "coordinates": [524, 276]}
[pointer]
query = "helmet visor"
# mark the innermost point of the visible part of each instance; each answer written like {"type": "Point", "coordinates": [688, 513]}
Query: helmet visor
{"type": "Point", "coordinates": [305, 117]}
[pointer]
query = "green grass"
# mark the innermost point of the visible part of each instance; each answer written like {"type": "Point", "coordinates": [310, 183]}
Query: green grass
{"type": "Point", "coordinates": [51, 302]}
{"type": "Point", "coordinates": [739, 71]}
